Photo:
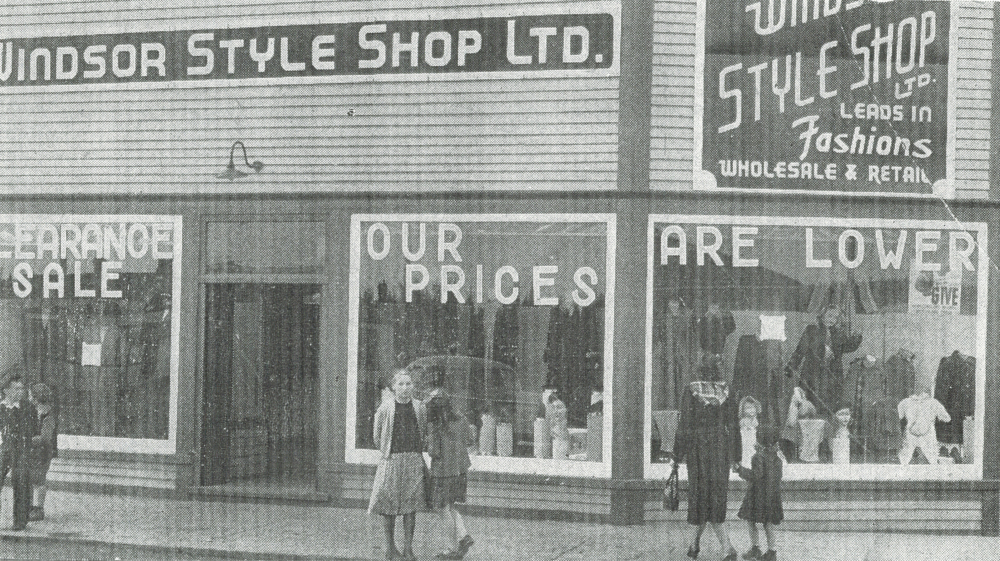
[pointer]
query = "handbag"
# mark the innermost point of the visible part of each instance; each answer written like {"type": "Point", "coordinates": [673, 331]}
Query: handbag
{"type": "Point", "coordinates": [671, 493]}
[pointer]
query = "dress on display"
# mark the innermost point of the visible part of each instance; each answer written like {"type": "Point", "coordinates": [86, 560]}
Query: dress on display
{"type": "Point", "coordinates": [712, 331]}
{"type": "Point", "coordinates": [757, 372]}
{"type": "Point", "coordinates": [709, 439]}
{"type": "Point", "coordinates": [678, 355]}
{"type": "Point", "coordinates": [955, 388]}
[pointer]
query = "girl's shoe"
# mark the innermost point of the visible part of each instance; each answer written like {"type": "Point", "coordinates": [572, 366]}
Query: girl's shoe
{"type": "Point", "coordinates": [693, 552]}
{"type": "Point", "coordinates": [731, 557]}
{"type": "Point", "coordinates": [450, 554]}
{"type": "Point", "coordinates": [771, 555]}
{"type": "Point", "coordinates": [754, 553]}
{"type": "Point", "coordinates": [464, 544]}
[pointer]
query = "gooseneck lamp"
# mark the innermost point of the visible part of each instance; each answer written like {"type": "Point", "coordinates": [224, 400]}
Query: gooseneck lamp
{"type": "Point", "coordinates": [231, 172]}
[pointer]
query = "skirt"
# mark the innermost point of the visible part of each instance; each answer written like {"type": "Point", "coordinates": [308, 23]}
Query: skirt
{"type": "Point", "coordinates": [448, 490]}
{"type": "Point", "coordinates": [399, 485]}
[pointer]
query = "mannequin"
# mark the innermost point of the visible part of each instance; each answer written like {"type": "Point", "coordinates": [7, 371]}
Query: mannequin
{"type": "Point", "coordinates": [543, 434]}
{"type": "Point", "coordinates": [919, 412]}
{"type": "Point", "coordinates": [749, 410]}
{"type": "Point", "coordinates": [840, 442]}
{"type": "Point", "coordinates": [595, 427]}
{"type": "Point", "coordinates": [819, 356]}
{"type": "Point", "coordinates": [556, 413]}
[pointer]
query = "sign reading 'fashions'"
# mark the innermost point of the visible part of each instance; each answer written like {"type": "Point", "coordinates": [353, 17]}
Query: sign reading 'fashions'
{"type": "Point", "coordinates": [830, 95]}
{"type": "Point", "coordinates": [524, 43]}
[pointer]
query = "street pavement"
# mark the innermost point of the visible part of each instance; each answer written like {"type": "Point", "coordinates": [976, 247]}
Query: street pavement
{"type": "Point", "coordinates": [79, 523]}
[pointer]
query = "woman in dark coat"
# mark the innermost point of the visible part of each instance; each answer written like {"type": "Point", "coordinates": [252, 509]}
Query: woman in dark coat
{"type": "Point", "coordinates": [709, 440]}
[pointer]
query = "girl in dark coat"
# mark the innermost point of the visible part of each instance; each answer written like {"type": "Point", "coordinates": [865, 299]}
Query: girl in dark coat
{"type": "Point", "coordinates": [762, 504]}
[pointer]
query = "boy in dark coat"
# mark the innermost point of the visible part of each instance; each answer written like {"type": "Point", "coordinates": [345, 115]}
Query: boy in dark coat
{"type": "Point", "coordinates": [18, 424]}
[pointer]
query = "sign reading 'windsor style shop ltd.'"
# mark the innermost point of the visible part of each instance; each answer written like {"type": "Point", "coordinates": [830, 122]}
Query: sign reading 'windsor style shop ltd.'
{"type": "Point", "coordinates": [825, 95]}
{"type": "Point", "coordinates": [497, 44]}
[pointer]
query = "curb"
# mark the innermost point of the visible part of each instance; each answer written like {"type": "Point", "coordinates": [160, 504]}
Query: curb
{"type": "Point", "coordinates": [194, 552]}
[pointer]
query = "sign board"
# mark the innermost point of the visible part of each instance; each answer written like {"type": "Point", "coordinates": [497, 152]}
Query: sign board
{"type": "Point", "coordinates": [489, 44]}
{"type": "Point", "coordinates": [825, 95]}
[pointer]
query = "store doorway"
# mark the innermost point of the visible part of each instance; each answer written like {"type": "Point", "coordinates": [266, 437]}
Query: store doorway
{"type": "Point", "coordinates": [259, 408]}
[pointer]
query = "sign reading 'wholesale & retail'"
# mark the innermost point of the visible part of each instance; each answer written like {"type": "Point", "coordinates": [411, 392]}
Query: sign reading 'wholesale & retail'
{"type": "Point", "coordinates": [826, 95]}
{"type": "Point", "coordinates": [499, 44]}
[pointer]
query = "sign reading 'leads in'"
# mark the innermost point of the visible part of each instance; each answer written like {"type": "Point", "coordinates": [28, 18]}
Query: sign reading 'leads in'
{"type": "Point", "coordinates": [826, 95]}
{"type": "Point", "coordinates": [523, 43]}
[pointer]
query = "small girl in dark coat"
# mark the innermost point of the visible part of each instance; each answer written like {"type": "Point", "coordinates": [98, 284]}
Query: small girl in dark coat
{"type": "Point", "coordinates": [448, 440]}
{"type": "Point", "coordinates": [762, 504]}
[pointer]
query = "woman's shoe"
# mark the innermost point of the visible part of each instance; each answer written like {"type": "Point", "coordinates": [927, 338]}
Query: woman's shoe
{"type": "Point", "coordinates": [450, 554]}
{"type": "Point", "coordinates": [693, 552]}
{"type": "Point", "coordinates": [731, 557]}
{"type": "Point", "coordinates": [771, 555]}
{"type": "Point", "coordinates": [464, 544]}
{"type": "Point", "coordinates": [754, 553]}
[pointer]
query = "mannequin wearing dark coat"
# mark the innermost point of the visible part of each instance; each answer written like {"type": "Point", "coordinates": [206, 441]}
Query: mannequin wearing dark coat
{"type": "Point", "coordinates": [955, 388]}
{"type": "Point", "coordinates": [820, 354]}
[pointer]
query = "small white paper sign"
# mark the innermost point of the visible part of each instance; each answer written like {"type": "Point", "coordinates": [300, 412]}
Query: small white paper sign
{"type": "Point", "coordinates": [772, 328]}
{"type": "Point", "coordinates": [91, 354]}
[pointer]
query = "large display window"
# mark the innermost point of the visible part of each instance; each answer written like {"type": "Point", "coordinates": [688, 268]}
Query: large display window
{"type": "Point", "coordinates": [88, 306]}
{"type": "Point", "coordinates": [511, 314]}
{"type": "Point", "coordinates": [862, 340]}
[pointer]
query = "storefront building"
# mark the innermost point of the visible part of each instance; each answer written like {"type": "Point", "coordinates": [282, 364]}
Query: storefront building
{"type": "Point", "coordinates": [559, 211]}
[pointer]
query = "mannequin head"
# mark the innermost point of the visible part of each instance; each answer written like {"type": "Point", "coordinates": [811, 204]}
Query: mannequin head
{"type": "Point", "coordinates": [749, 407]}
{"type": "Point", "coordinates": [674, 305]}
{"type": "Point", "coordinates": [831, 316]}
{"type": "Point", "coordinates": [843, 417]}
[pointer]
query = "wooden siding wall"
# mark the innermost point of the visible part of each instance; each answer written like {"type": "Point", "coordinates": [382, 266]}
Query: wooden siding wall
{"type": "Point", "coordinates": [855, 510]}
{"type": "Point", "coordinates": [81, 471]}
{"type": "Point", "coordinates": [672, 149]}
{"type": "Point", "coordinates": [493, 491]}
{"type": "Point", "coordinates": [469, 134]}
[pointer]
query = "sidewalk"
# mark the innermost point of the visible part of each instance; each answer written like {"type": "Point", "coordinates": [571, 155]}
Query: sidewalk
{"type": "Point", "coordinates": [318, 532]}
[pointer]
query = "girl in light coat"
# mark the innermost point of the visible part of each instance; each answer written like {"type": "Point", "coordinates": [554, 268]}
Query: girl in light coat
{"type": "Point", "coordinates": [399, 477]}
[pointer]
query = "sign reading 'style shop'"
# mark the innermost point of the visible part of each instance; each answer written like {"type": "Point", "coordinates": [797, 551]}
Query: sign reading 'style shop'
{"type": "Point", "coordinates": [826, 95]}
{"type": "Point", "coordinates": [498, 44]}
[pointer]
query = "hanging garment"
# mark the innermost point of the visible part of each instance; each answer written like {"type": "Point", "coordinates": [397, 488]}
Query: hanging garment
{"type": "Point", "coordinates": [678, 354]}
{"type": "Point", "coordinates": [955, 388]}
{"type": "Point", "coordinates": [713, 330]}
{"type": "Point", "coordinates": [757, 372]}
{"type": "Point", "coordinates": [864, 384]}
{"type": "Point", "coordinates": [881, 428]}
{"type": "Point", "coordinates": [920, 413]}
{"type": "Point", "coordinates": [900, 375]}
